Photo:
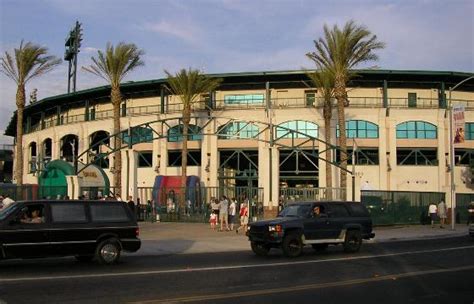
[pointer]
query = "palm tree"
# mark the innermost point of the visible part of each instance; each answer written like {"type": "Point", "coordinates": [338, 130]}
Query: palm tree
{"type": "Point", "coordinates": [324, 81]}
{"type": "Point", "coordinates": [113, 66]}
{"type": "Point", "coordinates": [189, 85]}
{"type": "Point", "coordinates": [27, 62]}
{"type": "Point", "coordinates": [340, 51]}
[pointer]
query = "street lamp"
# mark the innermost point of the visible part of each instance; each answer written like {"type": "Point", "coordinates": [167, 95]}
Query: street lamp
{"type": "Point", "coordinates": [451, 149]}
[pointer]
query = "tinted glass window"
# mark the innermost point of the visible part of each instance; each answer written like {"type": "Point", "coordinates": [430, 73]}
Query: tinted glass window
{"type": "Point", "coordinates": [296, 211]}
{"type": "Point", "coordinates": [72, 213]}
{"type": "Point", "coordinates": [358, 210]}
{"type": "Point", "coordinates": [338, 210]}
{"type": "Point", "coordinates": [108, 213]}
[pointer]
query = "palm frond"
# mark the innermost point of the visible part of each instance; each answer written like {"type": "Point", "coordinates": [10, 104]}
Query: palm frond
{"type": "Point", "coordinates": [27, 62]}
{"type": "Point", "coordinates": [116, 62]}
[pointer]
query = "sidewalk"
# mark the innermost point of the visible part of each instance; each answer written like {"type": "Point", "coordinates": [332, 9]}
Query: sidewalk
{"type": "Point", "coordinates": [181, 238]}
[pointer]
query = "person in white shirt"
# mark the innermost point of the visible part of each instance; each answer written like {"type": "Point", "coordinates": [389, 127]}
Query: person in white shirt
{"type": "Point", "coordinates": [433, 213]}
{"type": "Point", "coordinates": [7, 201]}
{"type": "Point", "coordinates": [232, 210]}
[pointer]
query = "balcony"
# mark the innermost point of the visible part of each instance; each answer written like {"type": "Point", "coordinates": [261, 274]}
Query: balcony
{"type": "Point", "coordinates": [277, 103]}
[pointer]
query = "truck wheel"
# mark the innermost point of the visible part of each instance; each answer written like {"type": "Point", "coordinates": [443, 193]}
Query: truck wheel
{"type": "Point", "coordinates": [353, 241]}
{"type": "Point", "coordinates": [260, 249]}
{"type": "Point", "coordinates": [292, 245]}
{"type": "Point", "coordinates": [320, 247]}
{"type": "Point", "coordinates": [108, 251]}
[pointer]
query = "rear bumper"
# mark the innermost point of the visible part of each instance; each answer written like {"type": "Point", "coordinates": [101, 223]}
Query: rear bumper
{"type": "Point", "coordinates": [131, 245]}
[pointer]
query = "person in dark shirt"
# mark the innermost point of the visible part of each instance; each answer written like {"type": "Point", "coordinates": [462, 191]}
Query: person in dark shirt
{"type": "Point", "coordinates": [131, 204]}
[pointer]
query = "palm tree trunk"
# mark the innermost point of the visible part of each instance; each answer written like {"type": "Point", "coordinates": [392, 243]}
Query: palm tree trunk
{"type": "Point", "coordinates": [340, 94]}
{"type": "Point", "coordinates": [116, 101]}
{"type": "Point", "coordinates": [20, 103]}
{"type": "Point", "coordinates": [327, 134]}
{"type": "Point", "coordinates": [184, 154]}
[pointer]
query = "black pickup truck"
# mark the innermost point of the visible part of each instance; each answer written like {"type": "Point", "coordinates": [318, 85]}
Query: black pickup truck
{"type": "Point", "coordinates": [318, 224]}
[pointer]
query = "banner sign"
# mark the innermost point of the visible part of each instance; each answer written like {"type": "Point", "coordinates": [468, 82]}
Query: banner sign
{"type": "Point", "coordinates": [458, 123]}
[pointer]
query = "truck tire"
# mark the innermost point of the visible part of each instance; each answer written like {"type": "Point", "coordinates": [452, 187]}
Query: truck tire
{"type": "Point", "coordinates": [320, 247]}
{"type": "Point", "coordinates": [260, 249]}
{"type": "Point", "coordinates": [108, 251]}
{"type": "Point", "coordinates": [292, 245]}
{"type": "Point", "coordinates": [353, 241]}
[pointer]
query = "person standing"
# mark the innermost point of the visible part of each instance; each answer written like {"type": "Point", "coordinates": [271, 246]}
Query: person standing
{"type": "Point", "coordinates": [442, 214]}
{"type": "Point", "coordinates": [215, 207]}
{"type": "Point", "coordinates": [433, 213]}
{"type": "Point", "coordinates": [224, 213]}
{"type": "Point", "coordinates": [232, 211]}
{"type": "Point", "coordinates": [244, 217]}
{"type": "Point", "coordinates": [131, 205]}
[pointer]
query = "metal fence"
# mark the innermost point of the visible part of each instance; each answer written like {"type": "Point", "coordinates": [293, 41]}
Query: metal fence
{"type": "Point", "coordinates": [399, 207]}
{"type": "Point", "coordinates": [193, 203]}
{"type": "Point", "coordinates": [462, 202]}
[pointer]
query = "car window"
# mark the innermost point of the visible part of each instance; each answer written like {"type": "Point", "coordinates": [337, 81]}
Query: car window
{"type": "Point", "coordinates": [358, 210]}
{"type": "Point", "coordinates": [296, 211]}
{"type": "Point", "coordinates": [71, 213]}
{"type": "Point", "coordinates": [5, 212]}
{"type": "Point", "coordinates": [108, 213]}
{"type": "Point", "coordinates": [339, 210]}
{"type": "Point", "coordinates": [32, 215]}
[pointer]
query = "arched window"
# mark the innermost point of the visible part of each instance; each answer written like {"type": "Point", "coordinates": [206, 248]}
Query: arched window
{"type": "Point", "coordinates": [32, 157]}
{"type": "Point", "coordinates": [175, 134]}
{"type": "Point", "coordinates": [306, 127]}
{"type": "Point", "coordinates": [47, 149]}
{"type": "Point", "coordinates": [98, 140]}
{"type": "Point", "coordinates": [238, 130]}
{"type": "Point", "coordinates": [69, 147]}
{"type": "Point", "coordinates": [416, 129]}
{"type": "Point", "coordinates": [360, 129]}
{"type": "Point", "coordinates": [138, 135]}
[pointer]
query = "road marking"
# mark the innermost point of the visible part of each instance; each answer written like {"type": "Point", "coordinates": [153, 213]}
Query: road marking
{"type": "Point", "coordinates": [202, 269]}
{"type": "Point", "coordinates": [269, 291]}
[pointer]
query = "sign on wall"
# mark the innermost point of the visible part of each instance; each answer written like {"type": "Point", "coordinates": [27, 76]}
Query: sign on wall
{"type": "Point", "coordinates": [458, 123]}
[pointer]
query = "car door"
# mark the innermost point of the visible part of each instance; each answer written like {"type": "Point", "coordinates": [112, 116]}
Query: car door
{"type": "Point", "coordinates": [70, 229]}
{"type": "Point", "coordinates": [338, 216]}
{"type": "Point", "coordinates": [316, 226]}
{"type": "Point", "coordinates": [25, 239]}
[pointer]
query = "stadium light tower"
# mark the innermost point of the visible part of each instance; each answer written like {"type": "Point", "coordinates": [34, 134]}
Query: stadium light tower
{"type": "Point", "coordinates": [73, 43]}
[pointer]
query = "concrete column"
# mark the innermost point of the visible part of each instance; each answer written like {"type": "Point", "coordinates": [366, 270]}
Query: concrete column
{"type": "Point", "coordinates": [214, 158]}
{"type": "Point", "coordinates": [383, 173]}
{"type": "Point", "coordinates": [73, 187]}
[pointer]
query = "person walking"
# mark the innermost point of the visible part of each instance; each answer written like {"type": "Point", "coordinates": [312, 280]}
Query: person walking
{"type": "Point", "coordinates": [442, 214]}
{"type": "Point", "coordinates": [433, 213]}
{"type": "Point", "coordinates": [232, 211]}
{"type": "Point", "coordinates": [244, 217]}
{"type": "Point", "coordinates": [224, 213]}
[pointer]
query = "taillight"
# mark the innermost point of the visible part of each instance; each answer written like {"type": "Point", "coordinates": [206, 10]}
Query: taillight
{"type": "Point", "coordinates": [137, 232]}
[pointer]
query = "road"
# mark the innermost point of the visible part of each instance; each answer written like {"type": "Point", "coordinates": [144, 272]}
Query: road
{"type": "Point", "coordinates": [423, 271]}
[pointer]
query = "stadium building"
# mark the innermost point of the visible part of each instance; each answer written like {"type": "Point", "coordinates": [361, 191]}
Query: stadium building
{"type": "Point", "coordinates": [262, 132]}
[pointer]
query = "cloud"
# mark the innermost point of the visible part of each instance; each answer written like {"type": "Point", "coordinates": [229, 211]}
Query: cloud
{"type": "Point", "coordinates": [187, 32]}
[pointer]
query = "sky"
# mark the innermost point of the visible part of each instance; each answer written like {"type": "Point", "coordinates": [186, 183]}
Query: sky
{"type": "Point", "coordinates": [219, 36]}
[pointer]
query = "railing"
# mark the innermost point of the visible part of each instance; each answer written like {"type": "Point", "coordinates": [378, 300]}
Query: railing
{"type": "Point", "coordinates": [7, 147]}
{"type": "Point", "coordinates": [277, 103]}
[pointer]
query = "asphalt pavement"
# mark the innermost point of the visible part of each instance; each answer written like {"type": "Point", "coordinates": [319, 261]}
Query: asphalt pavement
{"type": "Point", "coordinates": [185, 238]}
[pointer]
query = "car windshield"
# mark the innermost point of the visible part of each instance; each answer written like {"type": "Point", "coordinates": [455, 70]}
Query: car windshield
{"type": "Point", "coordinates": [296, 211]}
{"type": "Point", "coordinates": [7, 211]}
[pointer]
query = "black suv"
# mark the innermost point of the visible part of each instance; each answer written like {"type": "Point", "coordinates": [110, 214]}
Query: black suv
{"type": "Point", "coordinates": [84, 229]}
{"type": "Point", "coordinates": [318, 224]}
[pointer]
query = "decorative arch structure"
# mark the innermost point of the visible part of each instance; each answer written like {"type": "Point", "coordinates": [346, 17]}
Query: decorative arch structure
{"type": "Point", "coordinates": [416, 129]}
